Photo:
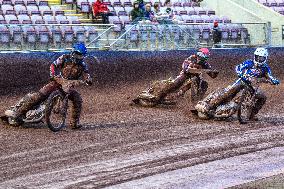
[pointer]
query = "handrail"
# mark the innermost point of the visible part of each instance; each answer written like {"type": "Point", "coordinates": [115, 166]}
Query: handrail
{"type": "Point", "coordinates": [195, 40]}
{"type": "Point", "coordinates": [100, 35]}
{"type": "Point", "coordinates": [119, 38]}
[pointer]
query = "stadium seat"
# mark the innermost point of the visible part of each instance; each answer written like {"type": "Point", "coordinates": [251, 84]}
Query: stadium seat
{"type": "Point", "coordinates": [11, 12]}
{"type": "Point", "coordinates": [71, 19]}
{"type": "Point", "coordinates": [23, 17]}
{"type": "Point", "coordinates": [43, 8]}
{"type": "Point", "coordinates": [79, 2]}
{"type": "Point", "coordinates": [85, 7]}
{"type": "Point", "coordinates": [186, 4]}
{"type": "Point", "coordinates": [206, 18]}
{"type": "Point", "coordinates": [200, 10]}
{"type": "Point", "coordinates": [19, 8]}
{"type": "Point", "coordinates": [39, 26]}
{"type": "Point", "coordinates": [47, 18]}
{"type": "Point", "coordinates": [179, 10]}
{"type": "Point", "coordinates": [187, 18]}
{"type": "Point", "coordinates": [6, 7]}
{"type": "Point", "coordinates": [271, 3]}
{"type": "Point", "coordinates": [10, 17]}
{"type": "Point", "coordinates": [128, 10]}
{"type": "Point", "coordinates": [124, 19]}
{"type": "Point", "coordinates": [50, 13]}
{"type": "Point", "coordinates": [191, 10]}
{"type": "Point", "coordinates": [118, 9]}
{"type": "Point", "coordinates": [205, 32]}
{"type": "Point", "coordinates": [43, 3]}
{"type": "Point", "coordinates": [216, 18]}
{"type": "Point", "coordinates": [225, 19]}
{"type": "Point", "coordinates": [36, 17]}
{"type": "Point", "coordinates": [60, 18]}
{"type": "Point", "coordinates": [31, 8]}
{"type": "Point", "coordinates": [19, 2]}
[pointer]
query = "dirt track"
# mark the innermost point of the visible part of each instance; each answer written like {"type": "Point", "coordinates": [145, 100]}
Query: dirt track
{"type": "Point", "coordinates": [120, 143]}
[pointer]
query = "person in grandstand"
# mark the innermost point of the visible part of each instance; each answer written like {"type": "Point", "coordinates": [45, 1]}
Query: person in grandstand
{"type": "Point", "coordinates": [136, 13]}
{"type": "Point", "coordinates": [148, 14]}
{"type": "Point", "coordinates": [247, 72]}
{"type": "Point", "coordinates": [217, 34]}
{"type": "Point", "coordinates": [168, 10]}
{"type": "Point", "coordinates": [187, 78]}
{"type": "Point", "coordinates": [100, 9]}
{"type": "Point", "coordinates": [68, 66]}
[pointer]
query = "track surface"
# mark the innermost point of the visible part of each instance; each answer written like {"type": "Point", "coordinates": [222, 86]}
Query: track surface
{"type": "Point", "coordinates": [120, 143]}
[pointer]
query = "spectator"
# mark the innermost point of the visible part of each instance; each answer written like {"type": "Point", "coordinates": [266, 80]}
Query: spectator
{"type": "Point", "coordinates": [157, 12]}
{"type": "Point", "coordinates": [217, 34]}
{"type": "Point", "coordinates": [168, 9]}
{"type": "Point", "coordinates": [157, 9]}
{"type": "Point", "coordinates": [148, 14]}
{"type": "Point", "coordinates": [141, 5]}
{"type": "Point", "coordinates": [136, 12]}
{"type": "Point", "coordinates": [100, 9]}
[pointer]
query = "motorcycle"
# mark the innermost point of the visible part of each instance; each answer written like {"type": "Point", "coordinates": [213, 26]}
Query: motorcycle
{"type": "Point", "coordinates": [241, 104]}
{"type": "Point", "coordinates": [165, 92]}
{"type": "Point", "coordinates": [53, 110]}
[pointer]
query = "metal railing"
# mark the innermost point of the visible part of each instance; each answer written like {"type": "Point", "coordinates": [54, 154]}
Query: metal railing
{"type": "Point", "coordinates": [140, 36]}
{"type": "Point", "coordinates": [145, 36]}
{"type": "Point", "coordinates": [48, 37]}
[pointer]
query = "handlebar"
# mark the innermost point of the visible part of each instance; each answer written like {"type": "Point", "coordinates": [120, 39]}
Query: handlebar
{"type": "Point", "coordinates": [68, 84]}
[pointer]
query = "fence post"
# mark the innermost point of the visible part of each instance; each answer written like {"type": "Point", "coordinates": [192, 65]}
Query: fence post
{"type": "Point", "coordinates": [269, 34]}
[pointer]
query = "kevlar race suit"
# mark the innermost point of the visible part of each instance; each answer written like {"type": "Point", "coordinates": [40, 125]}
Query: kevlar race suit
{"type": "Point", "coordinates": [245, 71]}
{"type": "Point", "coordinates": [66, 67]}
{"type": "Point", "coordinates": [184, 81]}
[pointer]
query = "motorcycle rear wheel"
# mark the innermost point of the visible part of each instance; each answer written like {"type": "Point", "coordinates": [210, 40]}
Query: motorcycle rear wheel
{"type": "Point", "coordinates": [56, 110]}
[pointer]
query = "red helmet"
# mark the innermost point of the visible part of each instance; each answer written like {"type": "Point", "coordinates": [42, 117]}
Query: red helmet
{"type": "Point", "coordinates": [203, 53]}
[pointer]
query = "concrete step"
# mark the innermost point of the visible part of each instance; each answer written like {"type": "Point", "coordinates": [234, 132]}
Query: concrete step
{"type": "Point", "coordinates": [74, 14]}
{"type": "Point", "coordinates": [86, 20]}
{"type": "Point", "coordinates": [54, 2]}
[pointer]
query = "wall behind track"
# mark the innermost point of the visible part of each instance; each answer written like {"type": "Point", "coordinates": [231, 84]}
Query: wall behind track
{"type": "Point", "coordinates": [32, 69]}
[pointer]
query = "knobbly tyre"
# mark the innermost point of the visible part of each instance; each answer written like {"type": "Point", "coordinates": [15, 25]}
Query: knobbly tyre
{"type": "Point", "coordinates": [53, 110]}
{"type": "Point", "coordinates": [165, 92]}
{"type": "Point", "coordinates": [241, 104]}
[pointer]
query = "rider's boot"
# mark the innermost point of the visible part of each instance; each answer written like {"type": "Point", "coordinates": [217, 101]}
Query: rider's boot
{"type": "Point", "coordinates": [24, 105]}
{"type": "Point", "coordinates": [76, 109]}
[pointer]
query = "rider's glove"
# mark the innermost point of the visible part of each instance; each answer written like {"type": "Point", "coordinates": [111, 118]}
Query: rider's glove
{"type": "Point", "coordinates": [275, 81]}
{"type": "Point", "coordinates": [89, 81]}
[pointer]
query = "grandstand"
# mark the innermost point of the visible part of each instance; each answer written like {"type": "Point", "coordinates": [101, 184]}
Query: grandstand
{"type": "Point", "coordinates": [53, 24]}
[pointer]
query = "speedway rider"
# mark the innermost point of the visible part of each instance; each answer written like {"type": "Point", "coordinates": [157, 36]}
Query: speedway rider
{"type": "Point", "coordinates": [68, 66]}
{"type": "Point", "coordinates": [247, 71]}
{"type": "Point", "coordinates": [183, 81]}
{"type": "Point", "coordinates": [195, 61]}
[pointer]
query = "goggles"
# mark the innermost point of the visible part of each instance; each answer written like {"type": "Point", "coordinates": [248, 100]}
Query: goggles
{"type": "Point", "coordinates": [77, 55]}
{"type": "Point", "coordinates": [259, 59]}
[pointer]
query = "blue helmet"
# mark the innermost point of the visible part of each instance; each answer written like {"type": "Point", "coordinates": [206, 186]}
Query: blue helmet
{"type": "Point", "coordinates": [80, 48]}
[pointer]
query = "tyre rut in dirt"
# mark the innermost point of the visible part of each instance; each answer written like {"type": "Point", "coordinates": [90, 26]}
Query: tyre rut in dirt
{"type": "Point", "coordinates": [55, 114]}
{"type": "Point", "coordinates": [245, 106]}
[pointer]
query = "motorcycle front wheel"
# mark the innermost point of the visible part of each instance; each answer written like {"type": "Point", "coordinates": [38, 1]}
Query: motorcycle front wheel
{"type": "Point", "coordinates": [56, 110]}
{"type": "Point", "coordinates": [245, 106]}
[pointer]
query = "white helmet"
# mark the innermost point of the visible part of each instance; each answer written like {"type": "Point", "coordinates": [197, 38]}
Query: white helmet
{"type": "Point", "coordinates": [260, 56]}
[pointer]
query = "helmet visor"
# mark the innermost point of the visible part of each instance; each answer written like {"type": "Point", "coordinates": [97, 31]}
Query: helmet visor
{"type": "Point", "coordinates": [259, 59]}
{"type": "Point", "coordinates": [202, 56]}
{"type": "Point", "coordinates": [78, 55]}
